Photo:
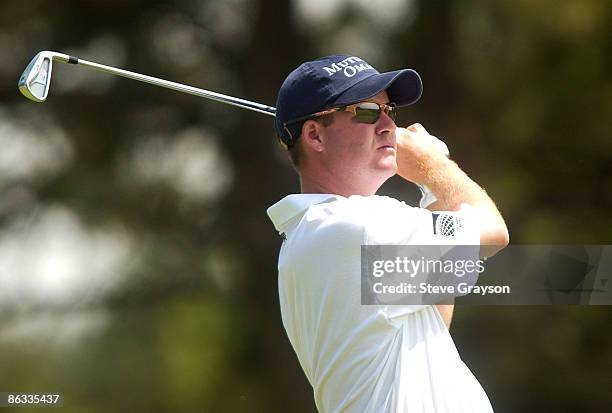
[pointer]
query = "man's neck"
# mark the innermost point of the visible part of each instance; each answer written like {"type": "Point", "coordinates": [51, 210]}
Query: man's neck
{"type": "Point", "coordinates": [309, 186]}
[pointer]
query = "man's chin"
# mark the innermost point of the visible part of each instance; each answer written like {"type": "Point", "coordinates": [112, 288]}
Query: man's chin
{"type": "Point", "coordinates": [389, 165]}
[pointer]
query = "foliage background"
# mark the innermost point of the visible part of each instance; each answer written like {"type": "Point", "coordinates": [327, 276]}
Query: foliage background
{"type": "Point", "coordinates": [137, 265]}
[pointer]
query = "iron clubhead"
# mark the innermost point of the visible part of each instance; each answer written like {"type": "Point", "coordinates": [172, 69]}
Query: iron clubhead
{"type": "Point", "coordinates": [35, 80]}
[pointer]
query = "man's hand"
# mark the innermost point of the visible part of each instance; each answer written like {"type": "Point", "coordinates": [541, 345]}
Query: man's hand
{"type": "Point", "coordinates": [417, 153]}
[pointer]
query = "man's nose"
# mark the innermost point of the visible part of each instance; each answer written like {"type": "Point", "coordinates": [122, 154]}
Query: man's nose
{"type": "Point", "coordinates": [384, 124]}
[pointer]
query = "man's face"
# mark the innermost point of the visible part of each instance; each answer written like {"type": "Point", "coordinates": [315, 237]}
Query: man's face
{"type": "Point", "coordinates": [360, 155]}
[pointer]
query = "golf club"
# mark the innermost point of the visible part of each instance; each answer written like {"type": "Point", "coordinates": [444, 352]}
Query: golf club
{"type": "Point", "coordinates": [36, 78]}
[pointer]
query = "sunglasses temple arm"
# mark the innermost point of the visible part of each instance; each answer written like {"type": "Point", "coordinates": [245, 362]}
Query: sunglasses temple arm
{"type": "Point", "coordinates": [313, 115]}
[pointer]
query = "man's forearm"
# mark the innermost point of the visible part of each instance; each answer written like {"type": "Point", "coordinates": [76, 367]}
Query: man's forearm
{"type": "Point", "coordinates": [452, 187]}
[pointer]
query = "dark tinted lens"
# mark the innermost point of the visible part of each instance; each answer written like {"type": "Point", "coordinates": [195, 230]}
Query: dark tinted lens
{"type": "Point", "coordinates": [367, 112]}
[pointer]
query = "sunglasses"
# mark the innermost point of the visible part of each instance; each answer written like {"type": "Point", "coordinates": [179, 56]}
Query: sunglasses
{"type": "Point", "coordinates": [365, 112]}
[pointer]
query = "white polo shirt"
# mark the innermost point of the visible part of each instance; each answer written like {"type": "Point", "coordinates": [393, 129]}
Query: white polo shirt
{"type": "Point", "coordinates": [365, 358]}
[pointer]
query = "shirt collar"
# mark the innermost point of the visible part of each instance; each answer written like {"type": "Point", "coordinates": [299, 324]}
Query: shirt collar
{"type": "Point", "coordinates": [294, 205]}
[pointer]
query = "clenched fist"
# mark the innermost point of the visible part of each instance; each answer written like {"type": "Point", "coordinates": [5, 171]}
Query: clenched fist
{"type": "Point", "coordinates": [418, 153]}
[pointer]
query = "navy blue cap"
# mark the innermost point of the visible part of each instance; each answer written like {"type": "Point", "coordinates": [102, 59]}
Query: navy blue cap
{"type": "Point", "coordinates": [333, 81]}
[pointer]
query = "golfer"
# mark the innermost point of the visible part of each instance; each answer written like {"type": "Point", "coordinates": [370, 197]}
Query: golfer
{"type": "Point", "coordinates": [335, 115]}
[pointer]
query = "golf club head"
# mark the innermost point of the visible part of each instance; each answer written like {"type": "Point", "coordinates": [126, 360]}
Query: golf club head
{"type": "Point", "coordinates": [35, 80]}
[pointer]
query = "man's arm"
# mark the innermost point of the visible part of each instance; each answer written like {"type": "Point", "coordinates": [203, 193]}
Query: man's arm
{"type": "Point", "coordinates": [419, 161]}
{"type": "Point", "coordinates": [446, 311]}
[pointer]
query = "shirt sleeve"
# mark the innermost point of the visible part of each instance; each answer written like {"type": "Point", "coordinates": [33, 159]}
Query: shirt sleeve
{"type": "Point", "coordinates": [392, 222]}
{"type": "Point", "coordinates": [396, 224]}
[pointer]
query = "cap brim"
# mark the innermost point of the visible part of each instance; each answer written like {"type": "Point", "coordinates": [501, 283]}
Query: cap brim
{"type": "Point", "coordinates": [403, 86]}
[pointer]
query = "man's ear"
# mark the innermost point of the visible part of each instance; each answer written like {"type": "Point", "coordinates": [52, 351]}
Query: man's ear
{"type": "Point", "coordinates": [311, 134]}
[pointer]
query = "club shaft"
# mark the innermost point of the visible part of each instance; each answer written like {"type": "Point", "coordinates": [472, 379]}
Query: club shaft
{"type": "Point", "coordinates": [230, 100]}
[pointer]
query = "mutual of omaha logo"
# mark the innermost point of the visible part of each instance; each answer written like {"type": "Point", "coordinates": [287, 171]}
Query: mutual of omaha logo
{"type": "Point", "coordinates": [349, 67]}
{"type": "Point", "coordinates": [446, 225]}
